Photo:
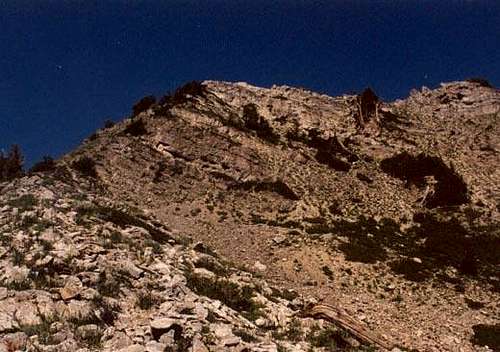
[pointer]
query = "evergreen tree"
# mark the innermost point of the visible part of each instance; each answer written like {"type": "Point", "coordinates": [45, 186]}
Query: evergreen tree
{"type": "Point", "coordinates": [11, 165]}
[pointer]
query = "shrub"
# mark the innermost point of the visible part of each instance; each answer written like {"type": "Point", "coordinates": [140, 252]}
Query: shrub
{"type": "Point", "coordinates": [11, 165]}
{"type": "Point", "coordinates": [330, 338]}
{"type": "Point", "coordinates": [18, 257]}
{"type": "Point", "coordinates": [108, 124]}
{"type": "Point", "coordinates": [213, 265]}
{"type": "Point", "coordinates": [121, 219]}
{"type": "Point", "coordinates": [188, 91]}
{"type": "Point", "coordinates": [181, 96]}
{"type": "Point", "coordinates": [143, 104]}
{"type": "Point", "coordinates": [147, 300]}
{"type": "Point", "coordinates": [92, 338]}
{"type": "Point", "coordinates": [487, 335]}
{"type": "Point", "coordinates": [45, 165]}
{"type": "Point", "coordinates": [481, 81]}
{"type": "Point", "coordinates": [293, 332]}
{"type": "Point", "coordinates": [136, 128]}
{"type": "Point", "coordinates": [327, 271]}
{"type": "Point", "coordinates": [278, 187]}
{"type": "Point", "coordinates": [41, 330]}
{"type": "Point", "coordinates": [108, 285]}
{"type": "Point", "coordinates": [244, 335]}
{"type": "Point", "coordinates": [253, 121]}
{"type": "Point", "coordinates": [239, 298]}
{"type": "Point", "coordinates": [328, 150]}
{"type": "Point", "coordinates": [86, 166]}
{"type": "Point", "coordinates": [24, 202]}
{"type": "Point", "coordinates": [450, 190]}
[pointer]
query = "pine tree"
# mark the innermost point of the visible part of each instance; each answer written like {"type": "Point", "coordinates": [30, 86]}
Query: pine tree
{"type": "Point", "coordinates": [11, 165]}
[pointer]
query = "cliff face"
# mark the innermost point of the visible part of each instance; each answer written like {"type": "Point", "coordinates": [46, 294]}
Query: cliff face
{"type": "Point", "coordinates": [387, 210]}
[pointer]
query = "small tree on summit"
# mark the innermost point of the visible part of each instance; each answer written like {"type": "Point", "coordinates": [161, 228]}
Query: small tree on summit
{"type": "Point", "coordinates": [45, 165]}
{"type": "Point", "coordinates": [11, 165]}
{"type": "Point", "coordinates": [143, 104]}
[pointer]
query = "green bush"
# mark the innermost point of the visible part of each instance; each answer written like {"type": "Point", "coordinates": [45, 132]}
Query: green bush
{"type": "Point", "coordinates": [45, 165]}
{"type": "Point", "coordinates": [108, 124]}
{"type": "Point", "coordinates": [253, 121]}
{"type": "Point", "coordinates": [143, 104]}
{"type": "Point", "coordinates": [146, 300]}
{"type": "Point", "coordinates": [239, 298]}
{"type": "Point", "coordinates": [136, 128]}
{"type": "Point", "coordinates": [11, 165]}
{"type": "Point", "coordinates": [24, 202]}
{"type": "Point", "coordinates": [483, 82]}
{"type": "Point", "coordinates": [86, 166]}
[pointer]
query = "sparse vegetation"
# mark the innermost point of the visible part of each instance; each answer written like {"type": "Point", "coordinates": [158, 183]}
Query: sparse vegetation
{"type": "Point", "coordinates": [330, 338]}
{"type": "Point", "coordinates": [278, 186]}
{"type": "Point", "coordinates": [213, 265]}
{"type": "Point", "coordinates": [110, 285]}
{"type": "Point", "coordinates": [244, 335]}
{"type": "Point", "coordinates": [11, 164]}
{"type": "Point", "coordinates": [293, 332]}
{"type": "Point", "coordinates": [90, 337]}
{"type": "Point", "coordinates": [17, 285]}
{"type": "Point", "coordinates": [487, 335]}
{"type": "Point", "coordinates": [327, 271]}
{"type": "Point", "coordinates": [450, 189]}
{"type": "Point", "coordinates": [230, 293]}
{"type": "Point", "coordinates": [143, 104]}
{"type": "Point", "coordinates": [147, 300]}
{"type": "Point", "coordinates": [24, 203]}
{"type": "Point", "coordinates": [136, 128]}
{"type": "Point", "coordinates": [483, 82]}
{"type": "Point", "coordinates": [108, 124]}
{"type": "Point", "coordinates": [106, 247]}
{"type": "Point", "coordinates": [42, 330]}
{"type": "Point", "coordinates": [47, 164]}
{"type": "Point", "coordinates": [86, 166]}
{"type": "Point", "coordinates": [253, 121]}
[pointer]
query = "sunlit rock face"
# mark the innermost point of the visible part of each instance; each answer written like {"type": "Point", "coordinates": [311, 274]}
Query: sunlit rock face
{"type": "Point", "coordinates": [221, 216]}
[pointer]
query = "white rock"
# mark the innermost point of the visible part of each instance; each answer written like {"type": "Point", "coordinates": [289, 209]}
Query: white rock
{"type": "Point", "coordinates": [26, 314]}
{"type": "Point", "coordinates": [231, 341]}
{"type": "Point", "coordinates": [259, 266]}
{"type": "Point", "coordinates": [132, 348]}
{"type": "Point", "coordinates": [198, 346]}
{"type": "Point", "coordinates": [153, 346]}
{"type": "Point", "coordinates": [222, 330]}
{"type": "Point", "coordinates": [162, 323]}
{"type": "Point", "coordinates": [6, 322]}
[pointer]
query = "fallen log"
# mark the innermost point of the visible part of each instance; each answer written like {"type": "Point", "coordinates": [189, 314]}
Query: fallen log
{"type": "Point", "coordinates": [345, 321]}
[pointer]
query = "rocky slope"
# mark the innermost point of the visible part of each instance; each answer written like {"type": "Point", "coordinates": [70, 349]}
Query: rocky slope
{"type": "Point", "coordinates": [83, 273]}
{"type": "Point", "coordinates": [386, 210]}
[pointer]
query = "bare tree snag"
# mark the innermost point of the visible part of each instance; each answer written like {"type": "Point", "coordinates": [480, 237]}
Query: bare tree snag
{"type": "Point", "coordinates": [345, 321]}
{"type": "Point", "coordinates": [367, 104]}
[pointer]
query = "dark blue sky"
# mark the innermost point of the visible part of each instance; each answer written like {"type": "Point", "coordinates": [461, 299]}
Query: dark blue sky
{"type": "Point", "coordinates": [66, 66]}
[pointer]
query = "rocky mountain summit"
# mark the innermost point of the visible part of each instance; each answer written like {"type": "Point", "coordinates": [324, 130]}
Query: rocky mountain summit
{"type": "Point", "coordinates": [227, 217]}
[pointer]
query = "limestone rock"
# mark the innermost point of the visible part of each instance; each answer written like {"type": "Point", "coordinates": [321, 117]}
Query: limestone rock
{"type": "Point", "coordinates": [72, 288]}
